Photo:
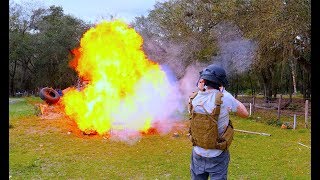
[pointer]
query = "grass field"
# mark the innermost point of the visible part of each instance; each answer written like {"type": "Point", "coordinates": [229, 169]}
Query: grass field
{"type": "Point", "coordinates": [48, 149]}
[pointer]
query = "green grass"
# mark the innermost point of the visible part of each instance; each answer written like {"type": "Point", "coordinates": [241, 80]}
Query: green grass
{"type": "Point", "coordinates": [278, 156]}
{"type": "Point", "coordinates": [20, 108]}
{"type": "Point", "coordinates": [43, 149]}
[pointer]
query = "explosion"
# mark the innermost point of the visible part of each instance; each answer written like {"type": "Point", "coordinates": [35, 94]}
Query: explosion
{"type": "Point", "coordinates": [126, 91]}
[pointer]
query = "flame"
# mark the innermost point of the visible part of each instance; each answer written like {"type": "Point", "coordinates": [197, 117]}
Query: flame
{"type": "Point", "coordinates": [126, 91]}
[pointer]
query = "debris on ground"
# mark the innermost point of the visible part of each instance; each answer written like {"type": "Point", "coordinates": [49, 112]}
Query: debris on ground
{"type": "Point", "coordinates": [176, 134]}
{"type": "Point", "coordinates": [50, 111]}
{"type": "Point", "coordinates": [287, 125]}
{"type": "Point", "coordinates": [90, 132]}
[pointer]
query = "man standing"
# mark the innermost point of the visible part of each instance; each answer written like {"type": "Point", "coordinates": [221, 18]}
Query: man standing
{"type": "Point", "coordinates": [211, 131]}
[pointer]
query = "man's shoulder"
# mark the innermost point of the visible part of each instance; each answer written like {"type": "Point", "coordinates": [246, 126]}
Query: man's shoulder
{"type": "Point", "coordinates": [193, 94]}
{"type": "Point", "coordinates": [227, 96]}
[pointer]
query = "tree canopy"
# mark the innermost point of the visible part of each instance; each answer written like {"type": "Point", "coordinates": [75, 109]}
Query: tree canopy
{"type": "Point", "coordinates": [264, 45]}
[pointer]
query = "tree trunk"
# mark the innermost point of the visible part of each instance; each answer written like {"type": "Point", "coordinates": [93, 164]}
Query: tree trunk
{"type": "Point", "coordinates": [251, 85]}
{"type": "Point", "coordinates": [24, 76]}
{"type": "Point", "coordinates": [267, 79]}
{"type": "Point", "coordinates": [293, 73]}
{"type": "Point", "coordinates": [12, 75]}
{"type": "Point", "coordinates": [237, 87]}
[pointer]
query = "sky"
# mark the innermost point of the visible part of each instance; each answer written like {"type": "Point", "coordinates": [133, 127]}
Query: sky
{"type": "Point", "coordinates": [95, 10]}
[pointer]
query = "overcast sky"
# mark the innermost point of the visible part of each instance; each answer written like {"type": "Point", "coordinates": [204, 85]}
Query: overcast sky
{"type": "Point", "coordinates": [95, 10]}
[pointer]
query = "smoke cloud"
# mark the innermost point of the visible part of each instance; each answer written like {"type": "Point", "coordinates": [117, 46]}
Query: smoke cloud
{"type": "Point", "coordinates": [236, 53]}
{"type": "Point", "coordinates": [235, 56]}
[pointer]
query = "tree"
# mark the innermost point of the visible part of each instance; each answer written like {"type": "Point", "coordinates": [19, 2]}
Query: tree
{"type": "Point", "coordinates": [39, 47]}
{"type": "Point", "coordinates": [21, 47]}
{"type": "Point", "coordinates": [59, 34]}
{"type": "Point", "coordinates": [179, 32]}
{"type": "Point", "coordinates": [275, 26]}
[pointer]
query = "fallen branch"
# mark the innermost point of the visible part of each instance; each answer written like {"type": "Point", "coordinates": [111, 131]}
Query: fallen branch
{"type": "Point", "coordinates": [251, 132]}
{"type": "Point", "coordinates": [304, 145]}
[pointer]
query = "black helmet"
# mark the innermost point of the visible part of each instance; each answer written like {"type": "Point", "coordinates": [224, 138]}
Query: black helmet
{"type": "Point", "coordinates": [215, 74]}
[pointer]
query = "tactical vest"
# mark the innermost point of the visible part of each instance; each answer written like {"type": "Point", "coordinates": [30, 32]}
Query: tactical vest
{"type": "Point", "coordinates": [204, 127]}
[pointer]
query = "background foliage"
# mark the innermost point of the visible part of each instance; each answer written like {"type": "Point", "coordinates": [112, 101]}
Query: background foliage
{"type": "Point", "coordinates": [264, 45]}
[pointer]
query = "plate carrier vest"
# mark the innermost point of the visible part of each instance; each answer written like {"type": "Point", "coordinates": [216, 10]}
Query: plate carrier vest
{"type": "Point", "coordinates": [204, 127]}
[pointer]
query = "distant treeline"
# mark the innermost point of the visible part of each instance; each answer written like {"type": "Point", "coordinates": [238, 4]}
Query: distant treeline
{"type": "Point", "coordinates": [264, 45]}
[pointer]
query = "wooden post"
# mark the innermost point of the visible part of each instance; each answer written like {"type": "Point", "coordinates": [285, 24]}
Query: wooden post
{"type": "Point", "coordinates": [250, 110]}
{"type": "Point", "coordinates": [279, 107]}
{"type": "Point", "coordinates": [306, 114]}
{"type": "Point", "coordinates": [294, 121]}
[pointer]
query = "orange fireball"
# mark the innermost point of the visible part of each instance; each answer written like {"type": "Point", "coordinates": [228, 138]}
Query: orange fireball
{"type": "Point", "coordinates": [126, 91]}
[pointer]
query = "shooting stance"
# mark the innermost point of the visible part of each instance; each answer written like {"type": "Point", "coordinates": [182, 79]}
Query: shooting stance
{"type": "Point", "coordinates": [211, 131]}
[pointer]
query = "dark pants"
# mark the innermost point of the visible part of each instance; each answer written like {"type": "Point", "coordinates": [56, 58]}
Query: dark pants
{"type": "Point", "coordinates": [215, 167]}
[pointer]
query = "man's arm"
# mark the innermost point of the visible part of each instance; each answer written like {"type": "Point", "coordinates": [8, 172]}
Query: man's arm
{"type": "Point", "coordinates": [241, 110]}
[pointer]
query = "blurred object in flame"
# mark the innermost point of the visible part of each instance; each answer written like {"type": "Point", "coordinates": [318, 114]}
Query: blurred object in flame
{"type": "Point", "coordinates": [53, 111]}
{"type": "Point", "coordinates": [43, 108]}
{"type": "Point", "coordinates": [90, 132]}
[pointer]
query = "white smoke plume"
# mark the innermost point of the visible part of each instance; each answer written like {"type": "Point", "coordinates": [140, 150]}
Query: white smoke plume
{"type": "Point", "coordinates": [236, 53]}
{"type": "Point", "coordinates": [235, 56]}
